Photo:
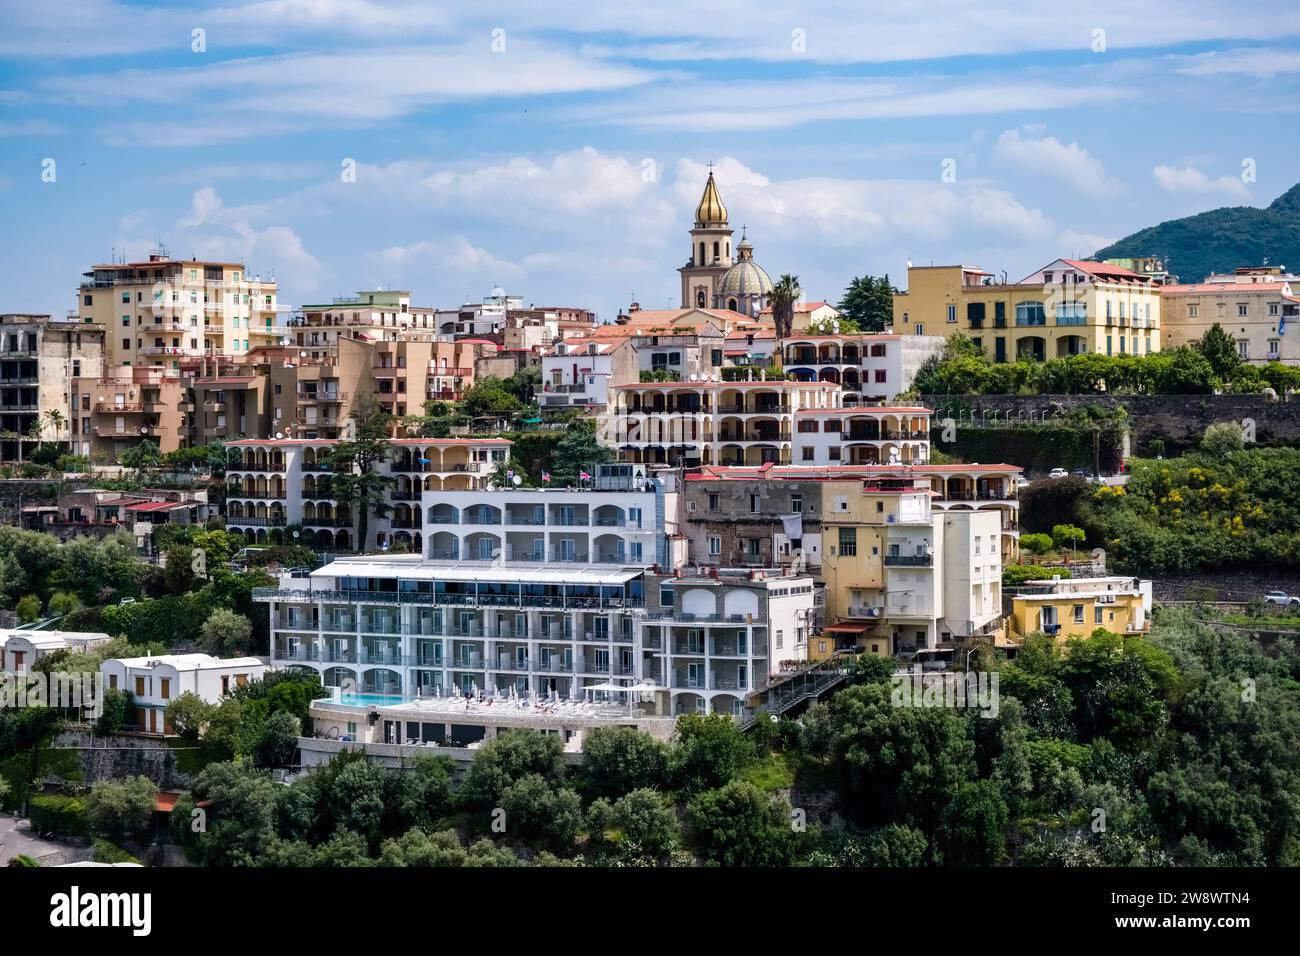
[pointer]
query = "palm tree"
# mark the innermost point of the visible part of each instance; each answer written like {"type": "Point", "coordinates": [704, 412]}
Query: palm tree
{"type": "Point", "coordinates": [784, 296]}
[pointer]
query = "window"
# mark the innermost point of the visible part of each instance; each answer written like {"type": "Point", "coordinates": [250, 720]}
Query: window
{"type": "Point", "coordinates": [1243, 309]}
{"type": "Point", "coordinates": [841, 503]}
{"type": "Point", "coordinates": [715, 545]}
{"type": "Point", "coordinates": [880, 375]}
{"type": "Point", "coordinates": [1078, 614]}
{"type": "Point", "coordinates": [126, 296]}
{"type": "Point", "coordinates": [1272, 308]}
{"type": "Point", "coordinates": [808, 454]}
{"type": "Point", "coordinates": [1243, 349]}
{"type": "Point", "coordinates": [848, 542]}
{"type": "Point", "coordinates": [754, 504]}
{"type": "Point", "coordinates": [126, 321]}
{"type": "Point", "coordinates": [780, 639]}
{"type": "Point", "coordinates": [1030, 313]}
{"type": "Point", "coordinates": [832, 425]}
{"type": "Point", "coordinates": [665, 597]}
{"type": "Point", "coordinates": [952, 313]}
{"type": "Point", "coordinates": [807, 425]}
{"type": "Point", "coordinates": [920, 329]}
{"type": "Point", "coordinates": [754, 547]}
{"type": "Point", "coordinates": [834, 453]}
{"type": "Point", "coordinates": [796, 504]}
{"type": "Point", "coordinates": [1274, 348]}
{"type": "Point", "coordinates": [1192, 311]}
{"type": "Point", "coordinates": [877, 351]}
{"type": "Point", "coordinates": [713, 502]}
{"type": "Point", "coordinates": [1096, 614]}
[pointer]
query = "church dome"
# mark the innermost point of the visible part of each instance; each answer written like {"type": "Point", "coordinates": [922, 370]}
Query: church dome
{"type": "Point", "coordinates": [710, 211]}
{"type": "Point", "coordinates": [746, 277]}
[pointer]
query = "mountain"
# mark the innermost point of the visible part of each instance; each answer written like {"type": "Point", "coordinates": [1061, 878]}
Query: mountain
{"type": "Point", "coordinates": [1220, 240]}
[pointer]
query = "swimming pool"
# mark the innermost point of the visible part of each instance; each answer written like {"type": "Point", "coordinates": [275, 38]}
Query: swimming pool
{"type": "Point", "coordinates": [370, 700]}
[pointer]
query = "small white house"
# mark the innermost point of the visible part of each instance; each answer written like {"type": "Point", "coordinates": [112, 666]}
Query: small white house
{"type": "Point", "coordinates": [20, 649]}
{"type": "Point", "coordinates": [156, 681]}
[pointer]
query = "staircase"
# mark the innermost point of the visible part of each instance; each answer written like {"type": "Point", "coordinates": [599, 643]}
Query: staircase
{"type": "Point", "coordinates": [807, 684]}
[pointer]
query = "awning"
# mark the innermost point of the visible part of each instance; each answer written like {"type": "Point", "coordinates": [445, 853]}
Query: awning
{"type": "Point", "coordinates": [846, 629]}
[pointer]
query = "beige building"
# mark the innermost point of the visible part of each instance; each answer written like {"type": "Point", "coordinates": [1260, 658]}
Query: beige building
{"type": "Point", "coordinates": [1255, 314]}
{"type": "Point", "coordinates": [126, 406]}
{"type": "Point", "coordinates": [164, 310]}
{"type": "Point", "coordinates": [1069, 307]}
{"type": "Point", "coordinates": [39, 357]}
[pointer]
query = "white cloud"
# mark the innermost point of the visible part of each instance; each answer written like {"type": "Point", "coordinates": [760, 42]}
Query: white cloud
{"type": "Point", "coordinates": [1259, 62]}
{"type": "Point", "coordinates": [454, 256]}
{"type": "Point", "coordinates": [1048, 156]}
{"type": "Point", "coordinates": [1078, 245]}
{"type": "Point", "coordinates": [1189, 179]}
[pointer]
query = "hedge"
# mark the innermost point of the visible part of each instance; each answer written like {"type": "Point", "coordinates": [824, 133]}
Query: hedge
{"type": "Point", "coordinates": [57, 814]}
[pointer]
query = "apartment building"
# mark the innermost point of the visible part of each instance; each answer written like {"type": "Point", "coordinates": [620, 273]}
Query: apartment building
{"type": "Point", "coordinates": [714, 635]}
{"type": "Point", "coordinates": [155, 682]}
{"type": "Point", "coordinates": [862, 435]}
{"type": "Point", "coordinates": [579, 372]}
{"type": "Point", "coordinates": [900, 576]}
{"type": "Point", "coordinates": [39, 356]}
{"type": "Point", "coordinates": [770, 516]}
{"type": "Point", "coordinates": [274, 486]}
{"type": "Point", "coordinates": [1255, 314]}
{"type": "Point", "coordinates": [688, 424]}
{"type": "Point", "coordinates": [1078, 606]}
{"type": "Point", "coordinates": [389, 630]}
{"type": "Point", "coordinates": [374, 315]}
{"type": "Point", "coordinates": [808, 316]}
{"type": "Point", "coordinates": [126, 405]}
{"type": "Point", "coordinates": [869, 367]}
{"type": "Point", "coordinates": [1069, 307]}
{"type": "Point", "coordinates": [163, 310]}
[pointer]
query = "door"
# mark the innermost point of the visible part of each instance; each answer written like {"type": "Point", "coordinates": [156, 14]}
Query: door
{"type": "Point", "coordinates": [153, 721]}
{"type": "Point", "coordinates": [694, 675]}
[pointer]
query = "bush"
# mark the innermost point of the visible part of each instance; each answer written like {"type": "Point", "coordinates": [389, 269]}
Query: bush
{"type": "Point", "coordinates": [28, 609]}
{"type": "Point", "coordinates": [1014, 574]}
{"type": "Point", "coordinates": [57, 814]}
{"type": "Point", "coordinates": [1222, 438]}
{"type": "Point", "coordinates": [1036, 543]}
{"type": "Point", "coordinates": [106, 852]}
{"type": "Point", "coordinates": [116, 713]}
{"type": "Point", "coordinates": [122, 808]}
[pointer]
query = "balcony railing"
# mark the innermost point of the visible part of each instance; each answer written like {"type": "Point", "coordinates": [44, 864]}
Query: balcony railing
{"type": "Point", "coordinates": [909, 560]}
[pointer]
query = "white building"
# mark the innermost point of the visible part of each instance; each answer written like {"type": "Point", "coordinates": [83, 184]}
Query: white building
{"type": "Point", "coordinates": [577, 372]}
{"type": "Point", "coordinates": [869, 367]}
{"type": "Point", "coordinates": [20, 649]}
{"type": "Point", "coordinates": [155, 682]}
{"type": "Point", "coordinates": [388, 630]}
{"type": "Point", "coordinates": [862, 435]}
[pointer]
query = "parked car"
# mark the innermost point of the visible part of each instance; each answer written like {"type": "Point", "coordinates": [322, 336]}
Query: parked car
{"type": "Point", "coordinates": [1080, 472]}
{"type": "Point", "coordinates": [1022, 482]}
{"type": "Point", "coordinates": [1058, 473]}
{"type": "Point", "coordinates": [1281, 597]}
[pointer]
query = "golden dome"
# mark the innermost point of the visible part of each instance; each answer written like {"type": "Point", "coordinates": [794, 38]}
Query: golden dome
{"type": "Point", "coordinates": [710, 211]}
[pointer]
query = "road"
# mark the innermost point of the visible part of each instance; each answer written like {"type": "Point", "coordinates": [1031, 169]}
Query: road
{"type": "Point", "coordinates": [17, 839]}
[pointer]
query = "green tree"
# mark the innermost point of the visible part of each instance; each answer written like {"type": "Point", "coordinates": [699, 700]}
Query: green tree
{"type": "Point", "coordinates": [120, 809]}
{"type": "Point", "coordinates": [1220, 351]}
{"type": "Point", "coordinates": [618, 760]}
{"type": "Point", "coordinates": [1036, 543]}
{"type": "Point", "coordinates": [227, 634]}
{"type": "Point", "coordinates": [1068, 535]}
{"type": "Point", "coordinates": [489, 396]}
{"type": "Point", "coordinates": [740, 825]}
{"type": "Point", "coordinates": [279, 741]}
{"type": "Point", "coordinates": [178, 568]}
{"type": "Point", "coordinates": [417, 847]}
{"type": "Point", "coordinates": [28, 609]}
{"type": "Point", "coordinates": [540, 814]}
{"type": "Point", "coordinates": [578, 451]}
{"type": "Point", "coordinates": [505, 758]}
{"type": "Point", "coordinates": [141, 456]}
{"type": "Point", "coordinates": [869, 303]}
{"type": "Point", "coordinates": [708, 751]}
{"type": "Point", "coordinates": [354, 464]}
{"type": "Point", "coordinates": [785, 294]}
{"type": "Point", "coordinates": [971, 827]}
{"type": "Point", "coordinates": [117, 711]}
{"type": "Point", "coordinates": [188, 714]}
{"type": "Point", "coordinates": [646, 823]}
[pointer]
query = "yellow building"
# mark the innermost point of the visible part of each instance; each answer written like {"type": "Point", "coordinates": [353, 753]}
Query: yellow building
{"type": "Point", "coordinates": [1078, 606]}
{"type": "Point", "coordinates": [163, 311]}
{"type": "Point", "coordinates": [1068, 307]}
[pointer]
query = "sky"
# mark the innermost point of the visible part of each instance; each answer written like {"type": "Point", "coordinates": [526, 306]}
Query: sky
{"type": "Point", "coordinates": [558, 149]}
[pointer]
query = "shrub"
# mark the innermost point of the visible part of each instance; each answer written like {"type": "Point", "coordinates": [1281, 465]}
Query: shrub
{"type": "Point", "coordinates": [1036, 543]}
{"type": "Point", "coordinates": [58, 814]}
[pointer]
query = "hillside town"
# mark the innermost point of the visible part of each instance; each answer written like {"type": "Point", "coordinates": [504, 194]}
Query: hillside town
{"type": "Point", "coordinates": [299, 536]}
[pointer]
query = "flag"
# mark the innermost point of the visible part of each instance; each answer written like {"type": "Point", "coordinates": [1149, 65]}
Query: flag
{"type": "Point", "coordinates": [546, 476]}
{"type": "Point", "coordinates": [584, 476]}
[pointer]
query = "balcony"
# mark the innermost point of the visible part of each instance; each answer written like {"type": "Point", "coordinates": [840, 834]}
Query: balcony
{"type": "Point", "coordinates": [123, 408]}
{"type": "Point", "coordinates": [241, 522]}
{"type": "Point", "coordinates": [909, 560]}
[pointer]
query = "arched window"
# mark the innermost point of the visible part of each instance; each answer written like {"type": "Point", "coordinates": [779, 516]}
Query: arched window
{"type": "Point", "coordinates": [699, 298]}
{"type": "Point", "coordinates": [701, 262]}
{"type": "Point", "coordinates": [715, 250]}
{"type": "Point", "coordinates": [731, 304]}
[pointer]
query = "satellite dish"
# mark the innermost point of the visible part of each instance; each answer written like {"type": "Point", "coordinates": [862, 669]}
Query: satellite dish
{"type": "Point", "coordinates": [518, 481]}
{"type": "Point", "coordinates": [144, 429]}
{"type": "Point", "coordinates": [909, 263]}
{"type": "Point", "coordinates": [279, 435]}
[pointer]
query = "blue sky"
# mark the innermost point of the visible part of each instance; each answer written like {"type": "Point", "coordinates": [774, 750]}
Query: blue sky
{"type": "Point", "coordinates": [558, 148]}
